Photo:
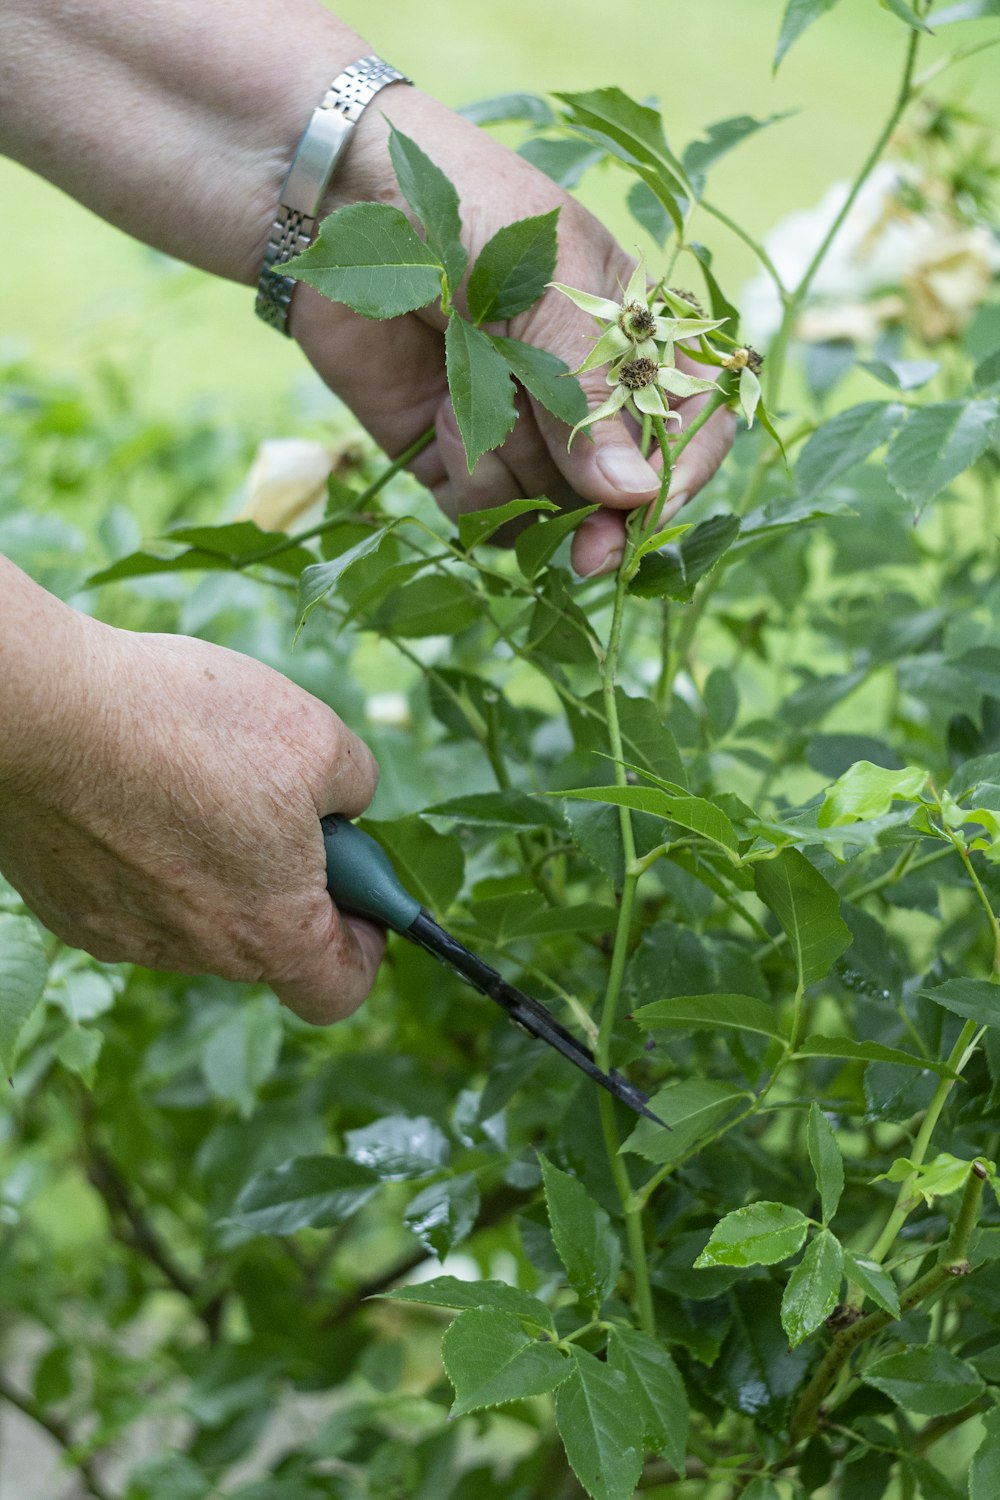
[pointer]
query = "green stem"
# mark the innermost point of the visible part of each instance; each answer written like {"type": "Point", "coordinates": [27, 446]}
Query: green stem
{"type": "Point", "coordinates": [616, 973]}
{"type": "Point", "coordinates": [954, 1263]}
{"type": "Point", "coordinates": [795, 298]}
{"type": "Point", "coordinates": [750, 242]}
{"type": "Point", "coordinates": [958, 1058]}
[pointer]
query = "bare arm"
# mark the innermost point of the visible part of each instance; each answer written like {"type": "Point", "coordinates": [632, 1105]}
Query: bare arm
{"type": "Point", "coordinates": [176, 120]}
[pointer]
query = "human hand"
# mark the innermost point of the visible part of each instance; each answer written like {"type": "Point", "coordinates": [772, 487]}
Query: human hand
{"type": "Point", "coordinates": [392, 374]}
{"type": "Point", "coordinates": [166, 812]}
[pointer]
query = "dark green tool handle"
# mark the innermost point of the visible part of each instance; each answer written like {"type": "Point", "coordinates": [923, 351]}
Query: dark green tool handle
{"type": "Point", "coordinates": [361, 879]}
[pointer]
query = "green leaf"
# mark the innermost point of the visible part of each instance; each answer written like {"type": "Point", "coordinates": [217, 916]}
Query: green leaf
{"type": "Point", "coordinates": [944, 1175]}
{"type": "Point", "coordinates": [813, 1289]}
{"type": "Point", "coordinates": [443, 1214]}
{"type": "Point", "coordinates": [692, 1109]}
{"type": "Point", "coordinates": [512, 269]}
{"type": "Point", "coordinates": [23, 971]}
{"type": "Point", "coordinates": [875, 1052]}
{"type": "Point", "coordinates": [986, 375]}
{"type": "Point", "coordinates": [78, 1049]}
{"type": "Point", "coordinates": [584, 1239]}
{"type": "Point", "coordinates": [399, 1147]}
{"type": "Point", "coordinates": [827, 1162]}
{"type": "Point", "coordinates": [843, 442]}
{"type": "Point", "coordinates": [906, 14]}
{"type": "Point", "coordinates": [657, 1389]}
{"type": "Point", "coordinates": [434, 201]}
{"type": "Point", "coordinates": [431, 605]}
{"type": "Point", "coordinates": [973, 999]}
{"type": "Point", "coordinates": [564, 161]}
{"type": "Point", "coordinates": [808, 909]}
{"type": "Point", "coordinates": [489, 1359]}
{"type": "Point", "coordinates": [902, 374]}
{"type": "Point", "coordinates": [477, 526]}
{"type": "Point", "coordinates": [317, 580]}
{"type": "Point", "coordinates": [984, 1475]}
{"type": "Point", "coordinates": [170, 1477]}
{"type": "Point", "coordinates": [721, 305]}
{"type": "Point", "coordinates": [600, 1424]}
{"type": "Point", "coordinates": [925, 1378]}
{"type": "Point", "coordinates": [674, 572]}
{"type": "Point", "coordinates": [696, 813]}
{"type": "Point", "coordinates": [798, 15]}
{"type": "Point", "coordinates": [313, 1192]}
{"type": "Point", "coordinates": [635, 127]}
{"type": "Point", "coordinates": [938, 443]}
{"type": "Point", "coordinates": [368, 256]}
{"type": "Point", "coordinates": [537, 545]}
{"type": "Point", "coordinates": [545, 377]}
{"type": "Point", "coordinates": [509, 109]}
{"type": "Point", "coordinates": [242, 1053]}
{"type": "Point", "coordinates": [506, 809]}
{"type": "Point", "coordinates": [868, 791]}
{"type": "Point", "coordinates": [875, 1282]}
{"type": "Point", "coordinates": [481, 389]}
{"type": "Point", "coordinates": [759, 1235]}
{"type": "Point", "coordinates": [721, 138]}
{"type": "Point", "coordinates": [429, 864]}
{"type": "Point", "coordinates": [448, 1291]}
{"type": "Point", "coordinates": [736, 1012]}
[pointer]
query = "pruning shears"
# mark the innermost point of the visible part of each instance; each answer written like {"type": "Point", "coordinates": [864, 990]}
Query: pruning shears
{"type": "Point", "coordinates": [361, 879]}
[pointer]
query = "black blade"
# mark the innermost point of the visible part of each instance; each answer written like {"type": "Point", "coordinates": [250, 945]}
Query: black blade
{"type": "Point", "coordinates": [525, 1011]}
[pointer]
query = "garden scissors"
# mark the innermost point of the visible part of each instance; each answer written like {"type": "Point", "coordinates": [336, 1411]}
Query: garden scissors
{"type": "Point", "coordinates": [360, 878]}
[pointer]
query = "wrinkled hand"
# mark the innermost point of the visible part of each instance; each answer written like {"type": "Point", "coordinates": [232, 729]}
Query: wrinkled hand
{"type": "Point", "coordinates": [172, 819]}
{"type": "Point", "coordinates": [392, 374]}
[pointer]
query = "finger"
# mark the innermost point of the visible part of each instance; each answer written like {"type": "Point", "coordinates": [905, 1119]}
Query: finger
{"type": "Point", "coordinates": [598, 543]}
{"type": "Point", "coordinates": [604, 463]}
{"type": "Point", "coordinates": [458, 492]}
{"type": "Point", "coordinates": [333, 968]}
{"type": "Point", "coordinates": [521, 469]}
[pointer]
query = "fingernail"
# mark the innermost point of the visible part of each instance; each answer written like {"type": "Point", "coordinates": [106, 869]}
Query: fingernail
{"type": "Point", "coordinates": [675, 501]}
{"type": "Point", "coordinates": [611, 560]}
{"type": "Point", "coordinates": [626, 470]}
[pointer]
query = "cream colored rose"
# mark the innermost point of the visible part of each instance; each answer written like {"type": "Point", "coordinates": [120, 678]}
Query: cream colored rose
{"type": "Point", "coordinates": [948, 277]}
{"type": "Point", "coordinates": [287, 478]}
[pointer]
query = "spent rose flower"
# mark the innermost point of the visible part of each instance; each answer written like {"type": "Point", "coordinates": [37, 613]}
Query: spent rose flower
{"type": "Point", "coordinates": [638, 344]}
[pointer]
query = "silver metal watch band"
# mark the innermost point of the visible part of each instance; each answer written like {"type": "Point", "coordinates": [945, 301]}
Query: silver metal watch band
{"type": "Point", "coordinates": [318, 152]}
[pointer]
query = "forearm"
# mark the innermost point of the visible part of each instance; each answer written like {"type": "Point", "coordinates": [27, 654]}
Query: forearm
{"type": "Point", "coordinates": [174, 119]}
{"type": "Point", "coordinates": [43, 646]}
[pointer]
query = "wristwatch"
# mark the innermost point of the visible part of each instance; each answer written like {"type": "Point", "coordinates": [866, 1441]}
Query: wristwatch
{"type": "Point", "coordinates": [321, 147]}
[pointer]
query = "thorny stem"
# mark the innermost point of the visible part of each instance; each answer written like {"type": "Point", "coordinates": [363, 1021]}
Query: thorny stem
{"type": "Point", "coordinates": [959, 1056]}
{"type": "Point", "coordinates": [795, 298]}
{"type": "Point", "coordinates": [616, 973]}
{"type": "Point", "coordinates": [954, 1262]}
{"type": "Point", "coordinates": [59, 1433]}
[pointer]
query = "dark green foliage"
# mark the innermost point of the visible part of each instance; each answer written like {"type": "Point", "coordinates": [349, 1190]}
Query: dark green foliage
{"type": "Point", "coordinates": [210, 1211]}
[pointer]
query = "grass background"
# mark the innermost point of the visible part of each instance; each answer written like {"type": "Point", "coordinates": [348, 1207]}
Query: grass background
{"type": "Point", "coordinates": [83, 293]}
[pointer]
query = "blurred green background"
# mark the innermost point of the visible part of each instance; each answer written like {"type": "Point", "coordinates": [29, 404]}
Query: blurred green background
{"type": "Point", "coordinates": [186, 342]}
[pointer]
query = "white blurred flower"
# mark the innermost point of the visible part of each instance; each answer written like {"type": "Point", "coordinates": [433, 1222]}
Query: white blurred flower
{"type": "Point", "coordinates": [387, 708]}
{"type": "Point", "coordinates": [288, 476]}
{"type": "Point", "coordinates": [882, 247]}
{"type": "Point", "coordinates": [948, 278]}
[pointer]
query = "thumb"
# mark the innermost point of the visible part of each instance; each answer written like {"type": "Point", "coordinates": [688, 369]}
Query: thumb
{"type": "Point", "coordinates": [604, 464]}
